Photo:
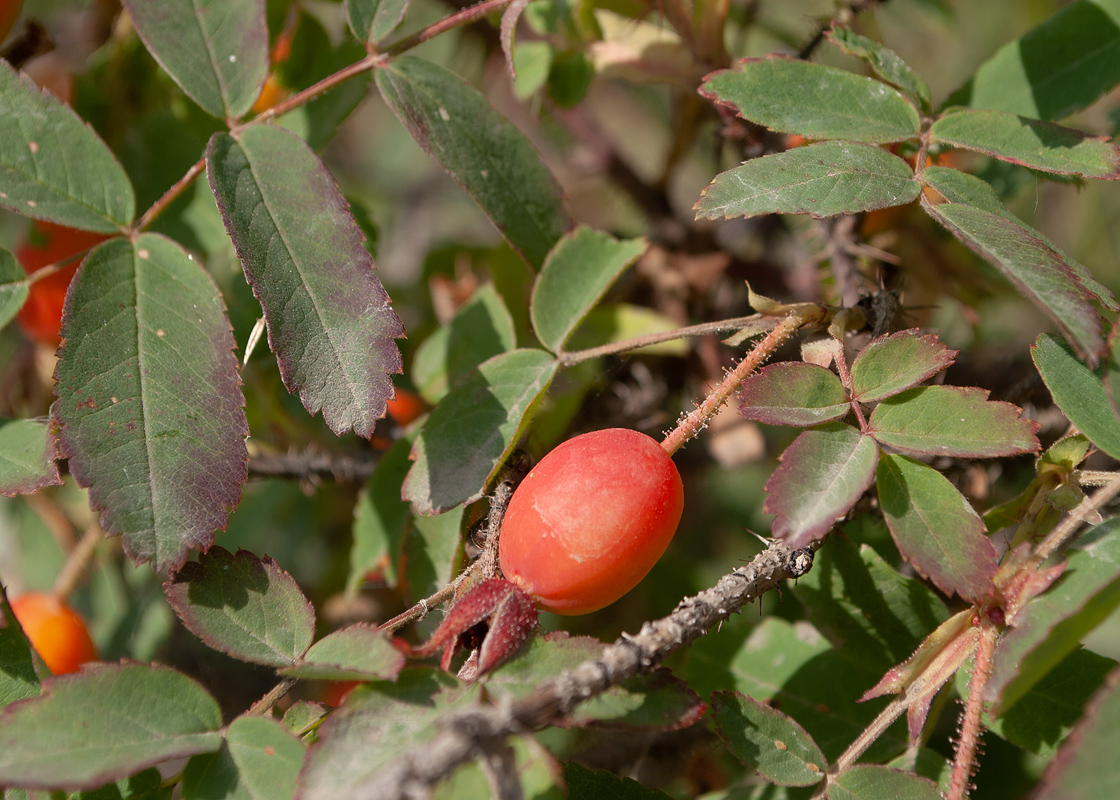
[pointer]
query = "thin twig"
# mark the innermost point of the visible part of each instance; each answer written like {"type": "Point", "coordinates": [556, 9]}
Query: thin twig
{"type": "Point", "coordinates": [567, 359]}
{"type": "Point", "coordinates": [307, 464]}
{"type": "Point", "coordinates": [169, 197]}
{"type": "Point", "coordinates": [77, 560]}
{"type": "Point", "coordinates": [265, 704]}
{"type": "Point", "coordinates": [1069, 526]}
{"type": "Point", "coordinates": [467, 734]}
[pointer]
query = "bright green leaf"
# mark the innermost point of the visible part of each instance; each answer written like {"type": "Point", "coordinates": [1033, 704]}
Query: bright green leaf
{"type": "Point", "coordinates": [793, 393]}
{"type": "Point", "coordinates": [1078, 392]}
{"type": "Point", "coordinates": [886, 63]}
{"type": "Point", "coordinates": [355, 653]}
{"type": "Point", "coordinates": [767, 740]}
{"type": "Point", "coordinates": [27, 457]}
{"type": "Point", "coordinates": [259, 760]}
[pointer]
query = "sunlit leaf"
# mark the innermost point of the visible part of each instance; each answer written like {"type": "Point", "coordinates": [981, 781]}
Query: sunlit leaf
{"type": "Point", "coordinates": [767, 740]}
{"type": "Point", "coordinates": [469, 434]}
{"type": "Point", "coordinates": [259, 760]}
{"type": "Point", "coordinates": [813, 100]}
{"type": "Point", "coordinates": [935, 528]}
{"type": "Point", "coordinates": [952, 421]}
{"type": "Point", "coordinates": [244, 606]}
{"type": "Point", "coordinates": [793, 393]}
{"type": "Point", "coordinates": [149, 408]}
{"type": "Point", "coordinates": [53, 166]}
{"type": "Point", "coordinates": [27, 457]}
{"type": "Point", "coordinates": [886, 63]}
{"type": "Point", "coordinates": [356, 652]}
{"type": "Point", "coordinates": [328, 317]}
{"type": "Point", "coordinates": [895, 362]}
{"type": "Point", "coordinates": [822, 180]}
{"type": "Point", "coordinates": [1078, 392]}
{"type": "Point", "coordinates": [373, 20]}
{"type": "Point", "coordinates": [216, 50]}
{"type": "Point", "coordinates": [106, 722]}
{"type": "Point", "coordinates": [822, 474]}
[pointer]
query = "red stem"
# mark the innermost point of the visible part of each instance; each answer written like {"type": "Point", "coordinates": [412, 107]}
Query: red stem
{"type": "Point", "coordinates": [965, 759]}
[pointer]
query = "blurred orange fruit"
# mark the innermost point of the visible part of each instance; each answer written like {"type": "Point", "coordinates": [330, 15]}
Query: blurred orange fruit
{"type": "Point", "coordinates": [56, 631]}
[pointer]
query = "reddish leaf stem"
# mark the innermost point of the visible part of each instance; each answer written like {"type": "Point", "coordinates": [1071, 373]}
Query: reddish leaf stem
{"type": "Point", "coordinates": [965, 759]}
{"type": "Point", "coordinates": [180, 186]}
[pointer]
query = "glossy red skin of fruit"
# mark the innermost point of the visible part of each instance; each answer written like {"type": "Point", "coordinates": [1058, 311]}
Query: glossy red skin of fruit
{"type": "Point", "coordinates": [591, 520]}
{"type": "Point", "coordinates": [55, 630]}
{"type": "Point", "coordinates": [41, 315]}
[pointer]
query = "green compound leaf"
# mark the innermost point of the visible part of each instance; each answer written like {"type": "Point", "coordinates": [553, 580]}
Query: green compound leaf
{"type": "Point", "coordinates": [244, 606]}
{"type": "Point", "coordinates": [27, 457]}
{"type": "Point", "coordinates": [952, 421]}
{"type": "Point", "coordinates": [813, 100]}
{"type": "Point", "coordinates": [895, 362]}
{"type": "Point", "coordinates": [872, 782]}
{"type": "Point", "coordinates": [1029, 143]}
{"type": "Point", "coordinates": [467, 437]}
{"type": "Point", "coordinates": [767, 740]}
{"type": "Point", "coordinates": [821, 180]}
{"type": "Point", "coordinates": [328, 317]}
{"type": "Point", "coordinates": [216, 50]}
{"type": "Point", "coordinates": [1078, 392]}
{"type": "Point", "coordinates": [935, 528]}
{"type": "Point", "coordinates": [575, 276]}
{"type": "Point", "coordinates": [53, 166]}
{"type": "Point", "coordinates": [793, 393]}
{"type": "Point", "coordinates": [355, 653]}
{"type": "Point", "coordinates": [1039, 271]}
{"type": "Point", "coordinates": [480, 329]}
{"type": "Point", "coordinates": [822, 474]}
{"type": "Point", "coordinates": [18, 680]}
{"type": "Point", "coordinates": [373, 20]}
{"type": "Point", "coordinates": [482, 150]}
{"type": "Point", "coordinates": [150, 410]}
{"type": "Point", "coordinates": [886, 63]}
{"type": "Point", "coordinates": [104, 723]}
{"type": "Point", "coordinates": [13, 287]}
{"type": "Point", "coordinates": [259, 760]}
{"type": "Point", "coordinates": [1060, 66]}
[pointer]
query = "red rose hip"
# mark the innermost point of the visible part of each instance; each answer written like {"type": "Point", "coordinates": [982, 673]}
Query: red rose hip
{"type": "Point", "coordinates": [590, 520]}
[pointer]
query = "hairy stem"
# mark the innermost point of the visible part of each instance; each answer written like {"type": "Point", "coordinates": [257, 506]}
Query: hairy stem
{"type": "Point", "coordinates": [965, 759]}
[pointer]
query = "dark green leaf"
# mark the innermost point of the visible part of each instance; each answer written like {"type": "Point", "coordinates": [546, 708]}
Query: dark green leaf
{"type": "Point", "coordinates": [767, 740]}
{"type": "Point", "coordinates": [485, 154]}
{"type": "Point", "coordinates": [244, 606]}
{"type": "Point", "coordinates": [570, 77]}
{"type": "Point", "coordinates": [372, 20]}
{"type": "Point", "coordinates": [18, 680]}
{"type": "Point", "coordinates": [872, 782]}
{"type": "Point", "coordinates": [53, 166]}
{"type": "Point", "coordinates": [1041, 272]}
{"type": "Point", "coordinates": [1112, 369]}
{"type": "Point", "coordinates": [480, 329]}
{"type": "Point", "coordinates": [822, 474]}
{"type": "Point", "coordinates": [883, 60]}
{"type": "Point", "coordinates": [575, 276]}
{"type": "Point", "coordinates": [259, 760]}
{"type": "Point", "coordinates": [149, 408]}
{"type": "Point", "coordinates": [380, 517]}
{"type": "Point", "coordinates": [468, 436]}
{"type": "Point", "coordinates": [328, 317]}
{"type": "Point", "coordinates": [355, 653]}
{"type": "Point", "coordinates": [216, 50]}
{"type": "Point", "coordinates": [822, 180]}
{"type": "Point", "coordinates": [813, 100]}
{"type": "Point", "coordinates": [1063, 64]}
{"type": "Point", "coordinates": [793, 393]}
{"type": "Point", "coordinates": [1052, 625]}
{"type": "Point", "coordinates": [13, 287]}
{"type": "Point", "coordinates": [145, 785]}
{"type": "Point", "coordinates": [27, 457]}
{"type": "Point", "coordinates": [935, 528]}
{"type": "Point", "coordinates": [1078, 392]}
{"type": "Point", "coordinates": [430, 551]}
{"type": "Point", "coordinates": [601, 784]}
{"type": "Point", "coordinates": [896, 362]}
{"type": "Point", "coordinates": [952, 421]}
{"type": "Point", "coordinates": [104, 723]}
{"type": "Point", "coordinates": [1029, 143]}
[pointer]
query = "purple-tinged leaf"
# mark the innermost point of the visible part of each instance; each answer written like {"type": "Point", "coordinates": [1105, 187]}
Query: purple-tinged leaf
{"type": "Point", "coordinates": [821, 180]}
{"type": "Point", "coordinates": [104, 723]}
{"type": "Point", "coordinates": [260, 759]}
{"type": "Point", "coordinates": [13, 287]}
{"type": "Point", "coordinates": [1112, 369]}
{"type": "Point", "coordinates": [149, 408]}
{"type": "Point", "coordinates": [18, 680]}
{"type": "Point", "coordinates": [1052, 625]}
{"type": "Point", "coordinates": [895, 362]}
{"type": "Point", "coordinates": [813, 100]}
{"type": "Point", "coordinates": [886, 63]}
{"type": "Point", "coordinates": [378, 724]}
{"type": "Point", "coordinates": [53, 166]}
{"type": "Point", "coordinates": [793, 393]}
{"type": "Point", "coordinates": [216, 50]}
{"type": "Point", "coordinates": [767, 740]}
{"type": "Point", "coordinates": [952, 421]}
{"type": "Point", "coordinates": [328, 317]}
{"type": "Point", "coordinates": [373, 20]}
{"type": "Point", "coordinates": [871, 781]}
{"type": "Point", "coordinates": [1086, 767]}
{"type": "Point", "coordinates": [1040, 271]}
{"type": "Point", "coordinates": [822, 475]}
{"type": "Point", "coordinates": [468, 436]}
{"type": "Point", "coordinates": [509, 24]}
{"type": "Point", "coordinates": [1029, 143]}
{"type": "Point", "coordinates": [935, 528]}
{"type": "Point", "coordinates": [27, 457]}
{"type": "Point", "coordinates": [485, 154]}
{"type": "Point", "coordinates": [1079, 393]}
{"type": "Point", "coordinates": [244, 606]}
{"type": "Point", "coordinates": [356, 653]}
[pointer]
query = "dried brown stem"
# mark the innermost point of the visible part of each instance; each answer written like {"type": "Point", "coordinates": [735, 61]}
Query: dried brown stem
{"type": "Point", "coordinates": [307, 464]}
{"type": "Point", "coordinates": [567, 359]}
{"type": "Point", "coordinates": [467, 734]}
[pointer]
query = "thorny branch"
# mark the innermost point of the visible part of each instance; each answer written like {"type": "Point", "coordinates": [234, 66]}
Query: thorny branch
{"type": "Point", "coordinates": [307, 464]}
{"type": "Point", "coordinates": [466, 735]}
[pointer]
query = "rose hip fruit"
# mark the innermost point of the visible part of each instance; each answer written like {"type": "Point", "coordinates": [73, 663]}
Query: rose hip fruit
{"type": "Point", "coordinates": [55, 630]}
{"type": "Point", "coordinates": [591, 520]}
